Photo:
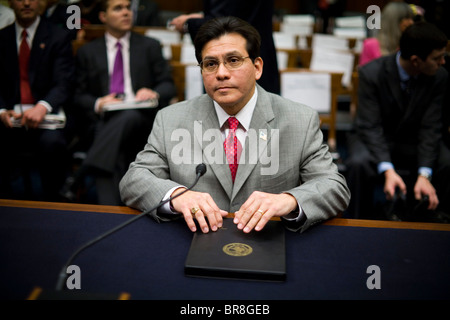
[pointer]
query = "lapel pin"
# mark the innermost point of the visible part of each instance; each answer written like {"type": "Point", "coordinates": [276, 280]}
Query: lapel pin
{"type": "Point", "coordinates": [42, 46]}
{"type": "Point", "coordinates": [263, 135]}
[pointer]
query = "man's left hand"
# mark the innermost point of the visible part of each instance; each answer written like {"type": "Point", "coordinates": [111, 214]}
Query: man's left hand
{"type": "Point", "coordinates": [260, 207]}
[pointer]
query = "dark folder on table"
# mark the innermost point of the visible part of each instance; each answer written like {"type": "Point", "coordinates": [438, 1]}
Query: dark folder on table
{"type": "Point", "coordinates": [231, 253]}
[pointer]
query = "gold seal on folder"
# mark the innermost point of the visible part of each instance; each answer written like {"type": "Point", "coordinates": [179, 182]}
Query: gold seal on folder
{"type": "Point", "coordinates": [237, 249]}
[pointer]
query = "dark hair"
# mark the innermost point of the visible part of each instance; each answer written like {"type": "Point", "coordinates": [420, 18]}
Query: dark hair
{"type": "Point", "coordinates": [103, 5]}
{"type": "Point", "coordinates": [215, 28]}
{"type": "Point", "coordinates": [420, 39]}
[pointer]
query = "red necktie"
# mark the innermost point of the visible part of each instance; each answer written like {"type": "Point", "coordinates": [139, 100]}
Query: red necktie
{"type": "Point", "coordinates": [117, 78]}
{"type": "Point", "coordinates": [24, 57]}
{"type": "Point", "coordinates": [232, 146]}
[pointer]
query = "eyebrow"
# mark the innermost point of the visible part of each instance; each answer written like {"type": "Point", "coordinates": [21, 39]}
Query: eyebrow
{"type": "Point", "coordinates": [228, 54]}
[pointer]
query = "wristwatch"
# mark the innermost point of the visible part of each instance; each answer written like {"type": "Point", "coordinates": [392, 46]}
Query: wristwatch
{"type": "Point", "coordinates": [185, 28]}
{"type": "Point", "coordinates": [425, 175]}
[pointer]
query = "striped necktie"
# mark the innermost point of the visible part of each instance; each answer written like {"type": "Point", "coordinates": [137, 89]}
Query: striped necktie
{"type": "Point", "coordinates": [232, 147]}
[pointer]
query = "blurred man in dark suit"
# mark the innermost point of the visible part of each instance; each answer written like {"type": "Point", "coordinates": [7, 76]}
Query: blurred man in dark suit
{"type": "Point", "coordinates": [37, 68]}
{"type": "Point", "coordinates": [145, 13]}
{"type": "Point", "coordinates": [399, 122]}
{"type": "Point", "coordinates": [145, 75]}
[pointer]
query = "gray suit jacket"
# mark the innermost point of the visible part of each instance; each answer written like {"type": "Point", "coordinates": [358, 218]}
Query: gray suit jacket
{"type": "Point", "coordinates": [284, 152]}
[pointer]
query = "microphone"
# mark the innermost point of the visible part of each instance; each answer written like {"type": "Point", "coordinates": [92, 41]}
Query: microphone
{"type": "Point", "coordinates": [199, 170]}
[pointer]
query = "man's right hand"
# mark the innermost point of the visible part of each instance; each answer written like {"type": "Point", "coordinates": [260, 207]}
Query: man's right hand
{"type": "Point", "coordinates": [393, 181]}
{"type": "Point", "coordinates": [198, 206]}
{"type": "Point", "coordinates": [110, 98]}
{"type": "Point", "coordinates": [6, 116]}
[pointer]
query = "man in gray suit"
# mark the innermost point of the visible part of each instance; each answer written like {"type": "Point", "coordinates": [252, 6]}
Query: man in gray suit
{"type": "Point", "coordinates": [284, 168]}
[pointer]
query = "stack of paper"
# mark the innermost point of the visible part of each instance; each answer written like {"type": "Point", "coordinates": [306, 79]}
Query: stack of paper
{"type": "Point", "coordinates": [51, 121]}
{"type": "Point", "coordinates": [153, 103]}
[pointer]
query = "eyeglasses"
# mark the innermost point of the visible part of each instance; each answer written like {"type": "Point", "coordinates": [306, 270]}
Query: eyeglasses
{"type": "Point", "coordinates": [231, 63]}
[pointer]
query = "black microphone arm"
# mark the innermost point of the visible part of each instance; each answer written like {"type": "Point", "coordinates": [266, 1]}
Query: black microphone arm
{"type": "Point", "coordinates": [199, 170]}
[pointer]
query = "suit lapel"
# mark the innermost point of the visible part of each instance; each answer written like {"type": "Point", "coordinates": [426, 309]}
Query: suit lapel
{"type": "Point", "coordinates": [40, 42]}
{"type": "Point", "coordinates": [394, 82]}
{"type": "Point", "coordinates": [12, 68]}
{"type": "Point", "coordinates": [136, 54]}
{"type": "Point", "coordinates": [206, 125]}
{"type": "Point", "coordinates": [101, 58]}
{"type": "Point", "coordinates": [258, 139]}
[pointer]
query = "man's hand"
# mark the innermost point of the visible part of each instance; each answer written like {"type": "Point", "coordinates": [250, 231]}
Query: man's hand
{"type": "Point", "coordinates": [146, 94]}
{"type": "Point", "coordinates": [178, 22]}
{"type": "Point", "coordinates": [6, 116]}
{"type": "Point", "coordinates": [32, 117]}
{"type": "Point", "coordinates": [260, 207]}
{"type": "Point", "coordinates": [391, 182]}
{"type": "Point", "coordinates": [110, 98]}
{"type": "Point", "coordinates": [423, 187]}
{"type": "Point", "coordinates": [199, 206]}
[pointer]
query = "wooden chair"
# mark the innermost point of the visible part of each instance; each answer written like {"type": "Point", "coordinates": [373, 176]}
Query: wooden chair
{"type": "Point", "coordinates": [328, 118]}
{"type": "Point", "coordinates": [179, 78]}
{"type": "Point", "coordinates": [92, 31]}
{"type": "Point", "coordinates": [354, 94]}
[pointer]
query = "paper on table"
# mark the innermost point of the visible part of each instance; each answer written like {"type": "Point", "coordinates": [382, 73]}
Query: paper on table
{"type": "Point", "coordinates": [334, 61]}
{"type": "Point", "coordinates": [331, 53]}
{"type": "Point", "coordinates": [51, 121]}
{"type": "Point", "coordinates": [152, 103]}
{"type": "Point", "coordinates": [312, 89]}
{"type": "Point", "coordinates": [194, 82]}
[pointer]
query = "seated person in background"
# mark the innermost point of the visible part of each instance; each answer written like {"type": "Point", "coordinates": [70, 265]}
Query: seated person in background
{"type": "Point", "coordinates": [398, 122]}
{"type": "Point", "coordinates": [145, 13]}
{"type": "Point", "coordinates": [90, 10]}
{"type": "Point", "coordinates": [395, 18]}
{"type": "Point", "coordinates": [56, 12]}
{"type": "Point", "coordinates": [37, 73]}
{"type": "Point", "coordinates": [442, 179]}
{"type": "Point", "coordinates": [6, 16]}
{"type": "Point", "coordinates": [233, 129]}
{"type": "Point", "coordinates": [143, 74]}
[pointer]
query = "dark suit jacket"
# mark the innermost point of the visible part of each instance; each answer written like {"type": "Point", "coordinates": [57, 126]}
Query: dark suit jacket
{"type": "Point", "coordinates": [392, 130]}
{"type": "Point", "coordinates": [51, 68]}
{"type": "Point", "coordinates": [148, 69]}
{"type": "Point", "coordinates": [147, 14]}
{"type": "Point", "coordinates": [446, 109]}
{"type": "Point", "coordinates": [259, 15]}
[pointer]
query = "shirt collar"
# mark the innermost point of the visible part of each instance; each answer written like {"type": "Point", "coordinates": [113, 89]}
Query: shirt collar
{"type": "Point", "coordinates": [404, 76]}
{"type": "Point", "coordinates": [244, 116]}
{"type": "Point", "coordinates": [111, 41]}
{"type": "Point", "coordinates": [31, 30]}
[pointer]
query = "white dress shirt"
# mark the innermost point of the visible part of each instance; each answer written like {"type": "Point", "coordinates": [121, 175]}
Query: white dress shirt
{"type": "Point", "coordinates": [31, 31]}
{"type": "Point", "coordinates": [111, 51]}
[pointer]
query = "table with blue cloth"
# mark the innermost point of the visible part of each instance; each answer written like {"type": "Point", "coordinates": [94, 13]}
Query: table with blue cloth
{"type": "Point", "coordinates": [338, 259]}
